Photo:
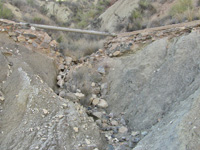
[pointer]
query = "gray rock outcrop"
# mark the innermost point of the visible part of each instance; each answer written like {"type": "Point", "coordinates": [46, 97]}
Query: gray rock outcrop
{"type": "Point", "coordinates": [157, 88]}
{"type": "Point", "coordinates": [32, 116]}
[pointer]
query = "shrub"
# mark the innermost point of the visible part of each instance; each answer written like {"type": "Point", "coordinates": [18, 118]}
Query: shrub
{"type": "Point", "coordinates": [183, 10]}
{"type": "Point", "coordinates": [143, 4]}
{"type": "Point", "coordinates": [180, 7]}
{"type": "Point", "coordinates": [37, 20]}
{"type": "Point", "coordinates": [5, 13]}
{"type": "Point", "coordinates": [80, 48]}
{"type": "Point", "coordinates": [83, 17]}
{"type": "Point", "coordinates": [59, 39]}
{"type": "Point", "coordinates": [137, 17]}
{"type": "Point", "coordinates": [30, 2]}
{"type": "Point", "coordinates": [43, 10]}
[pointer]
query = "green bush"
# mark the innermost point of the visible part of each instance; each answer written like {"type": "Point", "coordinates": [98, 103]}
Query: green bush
{"type": "Point", "coordinates": [5, 13]}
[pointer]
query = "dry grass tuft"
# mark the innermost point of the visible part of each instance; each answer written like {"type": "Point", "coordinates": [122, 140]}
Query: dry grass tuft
{"type": "Point", "coordinates": [80, 48]}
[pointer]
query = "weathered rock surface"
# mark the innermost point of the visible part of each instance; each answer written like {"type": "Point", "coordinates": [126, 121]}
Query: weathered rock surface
{"type": "Point", "coordinates": [156, 87]}
{"type": "Point", "coordinates": [4, 67]}
{"type": "Point", "coordinates": [32, 116]}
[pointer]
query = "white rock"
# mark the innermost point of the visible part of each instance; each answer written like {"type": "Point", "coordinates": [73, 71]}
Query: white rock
{"type": "Point", "coordinates": [102, 104]}
{"type": "Point", "coordinates": [95, 101]}
{"type": "Point", "coordinates": [87, 141]}
{"type": "Point", "coordinates": [60, 116]}
{"type": "Point", "coordinates": [45, 111]}
{"type": "Point", "coordinates": [80, 95]}
{"type": "Point", "coordinates": [93, 84]}
{"type": "Point", "coordinates": [2, 98]}
{"type": "Point", "coordinates": [76, 129]}
{"type": "Point", "coordinates": [78, 90]}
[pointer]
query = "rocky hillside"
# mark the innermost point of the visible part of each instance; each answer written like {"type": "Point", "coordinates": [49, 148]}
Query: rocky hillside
{"type": "Point", "coordinates": [140, 88]}
{"type": "Point", "coordinates": [70, 13]}
{"type": "Point", "coordinates": [105, 15]}
{"type": "Point", "coordinates": [130, 15]}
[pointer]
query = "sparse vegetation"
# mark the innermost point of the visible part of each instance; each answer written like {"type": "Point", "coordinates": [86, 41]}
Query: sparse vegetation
{"type": "Point", "coordinates": [183, 10]}
{"type": "Point", "coordinates": [80, 48]}
{"type": "Point", "coordinates": [37, 20]}
{"type": "Point", "coordinates": [144, 10]}
{"type": "Point", "coordinates": [59, 39]}
{"type": "Point", "coordinates": [82, 18]}
{"type": "Point", "coordinates": [5, 13]}
{"type": "Point", "coordinates": [180, 7]}
{"type": "Point", "coordinates": [30, 2]}
{"type": "Point", "coordinates": [43, 10]}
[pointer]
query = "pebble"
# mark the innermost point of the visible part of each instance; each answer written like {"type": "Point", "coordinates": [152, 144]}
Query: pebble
{"type": "Point", "coordinates": [136, 140]}
{"type": "Point", "coordinates": [114, 123]}
{"type": "Point", "coordinates": [101, 70]}
{"type": "Point", "coordinates": [45, 111]}
{"type": "Point", "coordinates": [117, 53]}
{"type": "Point", "coordinates": [60, 116]}
{"type": "Point", "coordinates": [115, 130]}
{"type": "Point", "coordinates": [87, 141]}
{"type": "Point", "coordinates": [135, 133]}
{"type": "Point", "coordinates": [64, 105]}
{"type": "Point", "coordinates": [68, 60]}
{"type": "Point", "coordinates": [95, 101]}
{"type": "Point", "coordinates": [102, 104]}
{"type": "Point", "coordinates": [122, 121]}
{"type": "Point", "coordinates": [80, 95]}
{"type": "Point", "coordinates": [144, 133]}
{"type": "Point", "coordinates": [131, 144]}
{"type": "Point", "coordinates": [111, 115]}
{"type": "Point", "coordinates": [76, 129]}
{"type": "Point", "coordinates": [98, 122]}
{"type": "Point", "coordinates": [62, 94]}
{"type": "Point", "coordinates": [2, 98]}
{"type": "Point", "coordinates": [78, 91]}
{"type": "Point", "coordinates": [60, 83]}
{"type": "Point", "coordinates": [97, 114]}
{"type": "Point", "coordinates": [93, 84]}
{"type": "Point", "coordinates": [96, 90]}
{"type": "Point", "coordinates": [123, 129]}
